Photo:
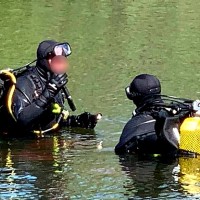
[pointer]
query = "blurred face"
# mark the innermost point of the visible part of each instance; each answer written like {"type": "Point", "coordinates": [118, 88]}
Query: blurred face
{"type": "Point", "coordinates": [58, 64]}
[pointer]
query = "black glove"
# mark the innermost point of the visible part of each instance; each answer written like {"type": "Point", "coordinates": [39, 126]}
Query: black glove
{"type": "Point", "coordinates": [54, 85]}
{"type": "Point", "coordinates": [84, 120]}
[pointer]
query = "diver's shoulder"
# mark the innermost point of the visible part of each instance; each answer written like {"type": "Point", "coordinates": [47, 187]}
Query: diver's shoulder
{"type": "Point", "coordinates": [25, 79]}
{"type": "Point", "coordinates": [141, 116]}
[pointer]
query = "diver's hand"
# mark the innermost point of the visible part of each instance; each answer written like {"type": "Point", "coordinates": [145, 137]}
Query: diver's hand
{"type": "Point", "coordinates": [84, 120]}
{"type": "Point", "coordinates": [88, 120]}
{"type": "Point", "coordinates": [196, 108]}
{"type": "Point", "coordinates": [54, 85]}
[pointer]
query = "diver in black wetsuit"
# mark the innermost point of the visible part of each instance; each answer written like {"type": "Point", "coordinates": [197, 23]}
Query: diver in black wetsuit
{"type": "Point", "coordinates": [142, 133]}
{"type": "Point", "coordinates": [40, 91]}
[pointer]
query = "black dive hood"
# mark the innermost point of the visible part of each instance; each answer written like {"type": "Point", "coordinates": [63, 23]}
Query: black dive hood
{"type": "Point", "coordinates": [42, 66]}
{"type": "Point", "coordinates": [143, 88]}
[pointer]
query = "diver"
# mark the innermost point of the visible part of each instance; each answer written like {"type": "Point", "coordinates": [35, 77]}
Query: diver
{"type": "Point", "coordinates": [37, 104]}
{"type": "Point", "coordinates": [154, 126]}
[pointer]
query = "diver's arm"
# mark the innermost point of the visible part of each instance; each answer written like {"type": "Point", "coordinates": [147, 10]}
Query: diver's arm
{"type": "Point", "coordinates": [84, 120]}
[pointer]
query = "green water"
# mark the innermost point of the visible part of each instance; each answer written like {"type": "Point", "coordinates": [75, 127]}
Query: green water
{"type": "Point", "coordinates": [112, 41]}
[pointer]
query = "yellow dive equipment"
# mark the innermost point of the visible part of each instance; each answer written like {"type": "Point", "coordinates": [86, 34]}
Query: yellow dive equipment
{"type": "Point", "coordinates": [190, 135]}
{"type": "Point", "coordinates": [8, 74]}
{"type": "Point", "coordinates": [56, 109]}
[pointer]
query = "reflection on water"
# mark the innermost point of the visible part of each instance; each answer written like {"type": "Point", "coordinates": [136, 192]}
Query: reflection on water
{"type": "Point", "coordinates": [161, 178]}
{"type": "Point", "coordinates": [112, 41]}
{"type": "Point", "coordinates": [70, 166]}
{"type": "Point", "coordinates": [35, 168]}
{"type": "Point", "coordinates": [190, 175]}
{"type": "Point", "coordinates": [58, 167]}
{"type": "Point", "coordinates": [149, 177]}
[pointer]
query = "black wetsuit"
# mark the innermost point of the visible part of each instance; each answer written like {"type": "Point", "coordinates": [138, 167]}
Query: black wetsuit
{"type": "Point", "coordinates": [141, 134]}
